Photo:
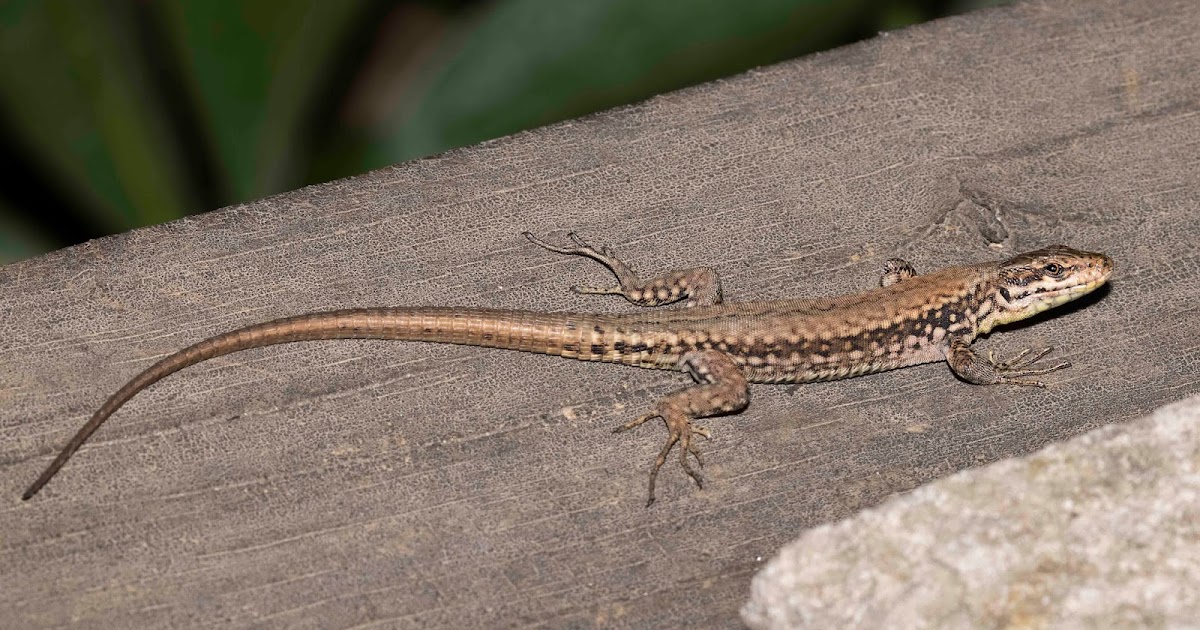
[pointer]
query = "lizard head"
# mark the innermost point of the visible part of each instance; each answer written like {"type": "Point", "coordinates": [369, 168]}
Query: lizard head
{"type": "Point", "coordinates": [1030, 283]}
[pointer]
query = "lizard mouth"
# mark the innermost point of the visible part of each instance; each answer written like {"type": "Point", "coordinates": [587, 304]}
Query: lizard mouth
{"type": "Point", "coordinates": [1058, 297]}
{"type": "Point", "coordinates": [1046, 299]}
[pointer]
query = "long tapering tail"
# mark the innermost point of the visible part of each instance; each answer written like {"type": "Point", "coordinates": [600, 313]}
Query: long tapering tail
{"type": "Point", "coordinates": [565, 334]}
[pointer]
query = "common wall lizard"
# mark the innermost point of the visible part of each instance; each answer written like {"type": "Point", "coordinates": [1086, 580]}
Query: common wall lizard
{"type": "Point", "coordinates": [909, 319]}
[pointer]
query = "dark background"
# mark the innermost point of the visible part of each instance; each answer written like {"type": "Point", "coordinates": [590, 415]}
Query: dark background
{"type": "Point", "coordinates": [115, 115]}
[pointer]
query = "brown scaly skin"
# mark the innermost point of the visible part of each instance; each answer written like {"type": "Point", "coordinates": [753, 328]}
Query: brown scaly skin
{"type": "Point", "coordinates": [910, 319]}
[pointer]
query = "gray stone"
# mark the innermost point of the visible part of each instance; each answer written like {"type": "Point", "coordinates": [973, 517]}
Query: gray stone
{"type": "Point", "coordinates": [1102, 531]}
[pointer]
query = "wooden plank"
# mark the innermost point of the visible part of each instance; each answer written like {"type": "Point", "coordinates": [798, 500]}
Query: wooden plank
{"type": "Point", "coordinates": [374, 484]}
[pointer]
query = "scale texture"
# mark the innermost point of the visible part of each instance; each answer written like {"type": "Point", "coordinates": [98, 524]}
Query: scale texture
{"type": "Point", "coordinates": [384, 484]}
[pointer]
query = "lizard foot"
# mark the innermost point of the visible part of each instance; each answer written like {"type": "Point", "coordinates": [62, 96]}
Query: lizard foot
{"type": "Point", "coordinates": [698, 285]}
{"type": "Point", "coordinates": [1014, 369]}
{"type": "Point", "coordinates": [604, 256]}
{"type": "Point", "coordinates": [720, 389]}
{"type": "Point", "coordinates": [679, 431]}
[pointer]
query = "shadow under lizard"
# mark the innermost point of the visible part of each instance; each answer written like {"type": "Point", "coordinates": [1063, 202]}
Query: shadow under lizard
{"type": "Point", "coordinates": [908, 320]}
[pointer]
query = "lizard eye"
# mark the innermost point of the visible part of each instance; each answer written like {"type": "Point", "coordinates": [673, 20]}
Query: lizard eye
{"type": "Point", "coordinates": [1054, 269]}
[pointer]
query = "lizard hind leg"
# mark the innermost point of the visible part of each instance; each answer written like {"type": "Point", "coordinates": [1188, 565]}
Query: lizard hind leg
{"type": "Point", "coordinates": [700, 286]}
{"type": "Point", "coordinates": [720, 388]}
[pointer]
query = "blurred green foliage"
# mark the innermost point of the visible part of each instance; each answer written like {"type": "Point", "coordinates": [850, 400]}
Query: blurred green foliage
{"type": "Point", "coordinates": [116, 114]}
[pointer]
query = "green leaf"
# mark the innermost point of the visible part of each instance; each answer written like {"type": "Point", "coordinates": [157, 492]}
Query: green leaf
{"type": "Point", "coordinates": [255, 70]}
{"type": "Point", "coordinates": [73, 87]}
{"type": "Point", "coordinates": [526, 63]}
{"type": "Point", "coordinates": [18, 239]}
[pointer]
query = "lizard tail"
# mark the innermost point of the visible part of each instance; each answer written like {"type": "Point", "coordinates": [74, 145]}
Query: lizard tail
{"type": "Point", "coordinates": [563, 334]}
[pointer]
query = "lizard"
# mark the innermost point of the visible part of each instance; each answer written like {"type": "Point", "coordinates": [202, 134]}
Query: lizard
{"type": "Point", "coordinates": [909, 319]}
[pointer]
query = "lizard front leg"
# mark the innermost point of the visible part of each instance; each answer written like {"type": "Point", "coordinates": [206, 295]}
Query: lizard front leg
{"type": "Point", "coordinates": [895, 270]}
{"type": "Point", "coordinates": [720, 388]}
{"type": "Point", "coordinates": [980, 371]}
{"type": "Point", "coordinates": [700, 285]}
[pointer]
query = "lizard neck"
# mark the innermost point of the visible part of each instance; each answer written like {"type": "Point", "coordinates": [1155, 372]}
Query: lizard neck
{"type": "Point", "coordinates": [981, 307]}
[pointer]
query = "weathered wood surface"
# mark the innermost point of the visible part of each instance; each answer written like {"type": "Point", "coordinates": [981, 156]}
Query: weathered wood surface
{"type": "Point", "coordinates": [376, 484]}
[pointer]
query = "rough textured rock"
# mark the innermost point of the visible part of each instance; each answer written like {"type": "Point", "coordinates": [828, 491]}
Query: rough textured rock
{"type": "Point", "coordinates": [346, 484]}
{"type": "Point", "coordinates": [1102, 531]}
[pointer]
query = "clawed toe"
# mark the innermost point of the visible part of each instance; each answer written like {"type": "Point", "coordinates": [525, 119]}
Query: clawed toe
{"type": "Point", "coordinates": [1014, 369]}
{"type": "Point", "coordinates": [582, 290]}
{"type": "Point", "coordinates": [687, 448]}
{"type": "Point", "coordinates": [680, 432]}
{"type": "Point", "coordinates": [1019, 361]}
{"type": "Point", "coordinates": [636, 422]}
{"type": "Point", "coordinates": [581, 247]}
{"type": "Point", "coordinates": [578, 240]}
